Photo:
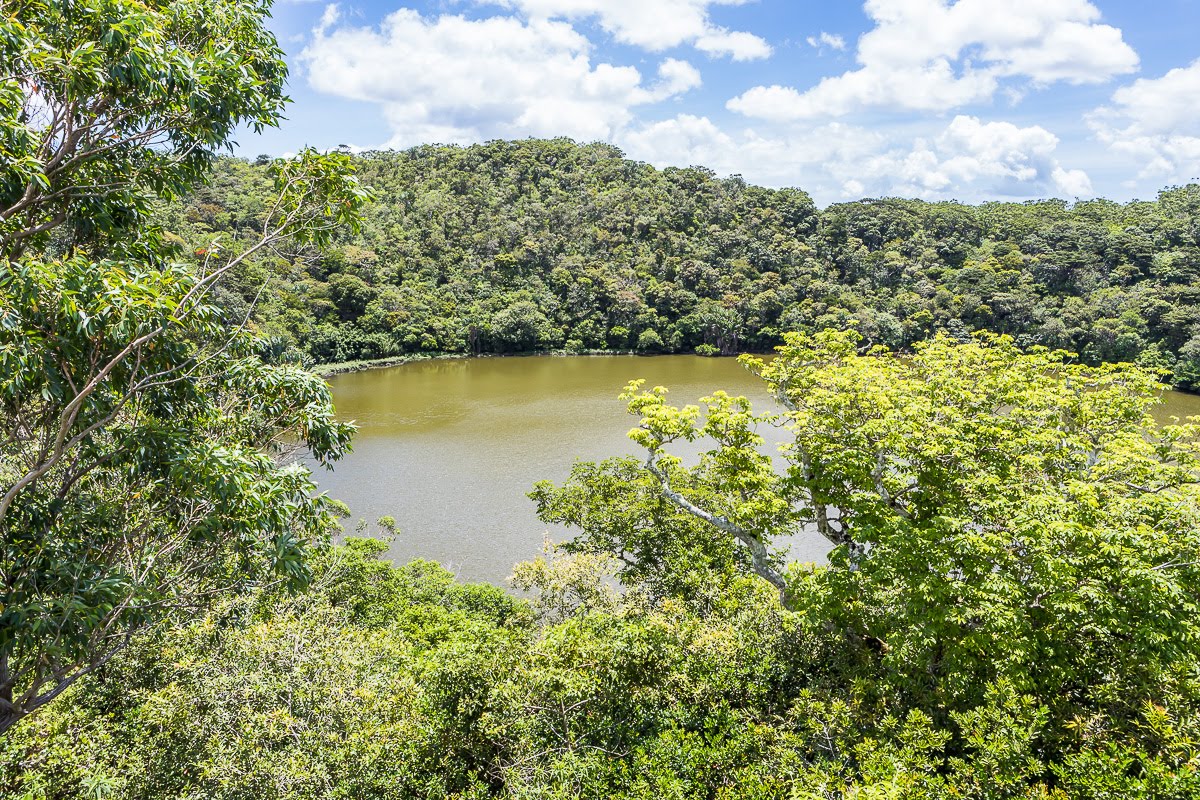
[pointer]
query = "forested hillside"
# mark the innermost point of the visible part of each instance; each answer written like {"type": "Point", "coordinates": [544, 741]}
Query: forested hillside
{"type": "Point", "coordinates": [531, 245]}
{"type": "Point", "coordinates": [1010, 606]}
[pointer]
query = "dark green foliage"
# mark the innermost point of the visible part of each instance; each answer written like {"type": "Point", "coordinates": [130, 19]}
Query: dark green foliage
{"type": "Point", "coordinates": [535, 245]}
{"type": "Point", "coordinates": [390, 682]}
{"type": "Point", "coordinates": [141, 434]}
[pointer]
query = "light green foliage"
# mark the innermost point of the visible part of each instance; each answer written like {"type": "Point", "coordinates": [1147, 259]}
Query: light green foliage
{"type": "Point", "coordinates": [565, 584]}
{"type": "Point", "coordinates": [1015, 541]}
{"type": "Point", "coordinates": [387, 682]}
{"type": "Point", "coordinates": [663, 551]}
{"type": "Point", "coordinates": [989, 506]}
{"type": "Point", "coordinates": [142, 439]}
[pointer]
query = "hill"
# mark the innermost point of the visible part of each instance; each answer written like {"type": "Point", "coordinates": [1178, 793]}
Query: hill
{"type": "Point", "coordinates": [535, 245]}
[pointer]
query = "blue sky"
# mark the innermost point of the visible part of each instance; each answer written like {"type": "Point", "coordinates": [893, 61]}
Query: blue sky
{"type": "Point", "coordinates": [964, 99]}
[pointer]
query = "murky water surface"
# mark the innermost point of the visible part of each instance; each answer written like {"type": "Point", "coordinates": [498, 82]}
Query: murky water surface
{"type": "Point", "coordinates": [450, 448]}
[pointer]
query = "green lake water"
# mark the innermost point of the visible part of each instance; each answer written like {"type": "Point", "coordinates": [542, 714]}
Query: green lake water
{"type": "Point", "coordinates": [450, 448]}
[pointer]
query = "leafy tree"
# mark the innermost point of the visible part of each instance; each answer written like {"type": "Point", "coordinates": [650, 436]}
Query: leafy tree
{"type": "Point", "coordinates": [351, 294]}
{"type": "Point", "coordinates": [140, 433]}
{"type": "Point", "coordinates": [106, 104]}
{"type": "Point", "coordinates": [387, 681]}
{"type": "Point", "coordinates": [650, 342]}
{"type": "Point", "coordinates": [521, 326]}
{"type": "Point", "coordinates": [995, 518]}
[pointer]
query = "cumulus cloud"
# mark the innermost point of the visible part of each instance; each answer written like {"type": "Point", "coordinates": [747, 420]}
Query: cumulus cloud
{"type": "Point", "coordinates": [1155, 122]}
{"type": "Point", "coordinates": [654, 24]}
{"type": "Point", "coordinates": [675, 77]}
{"type": "Point", "coordinates": [453, 79]}
{"type": "Point", "coordinates": [934, 55]}
{"type": "Point", "coordinates": [738, 45]}
{"type": "Point", "coordinates": [682, 141]}
{"type": "Point", "coordinates": [1001, 155]}
{"type": "Point", "coordinates": [968, 158]}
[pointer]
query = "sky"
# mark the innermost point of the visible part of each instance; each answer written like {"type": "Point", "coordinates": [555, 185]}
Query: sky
{"type": "Point", "coordinates": [938, 99]}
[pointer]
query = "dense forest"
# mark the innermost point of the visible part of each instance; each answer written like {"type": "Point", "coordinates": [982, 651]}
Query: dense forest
{"type": "Point", "coordinates": [395, 683]}
{"type": "Point", "coordinates": [1009, 610]}
{"type": "Point", "coordinates": [1010, 606]}
{"type": "Point", "coordinates": [537, 245]}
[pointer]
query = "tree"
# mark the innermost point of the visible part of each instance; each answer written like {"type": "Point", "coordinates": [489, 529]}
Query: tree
{"type": "Point", "coordinates": [107, 104]}
{"type": "Point", "coordinates": [521, 326]}
{"type": "Point", "coordinates": [996, 518]}
{"type": "Point", "coordinates": [140, 434]}
{"type": "Point", "coordinates": [650, 342]}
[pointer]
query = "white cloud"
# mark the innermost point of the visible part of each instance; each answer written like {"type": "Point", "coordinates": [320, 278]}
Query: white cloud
{"type": "Point", "coordinates": [1156, 123]}
{"type": "Point", "coordinates": [1072, 183]}
{"type": "Point", "coordinates": [676, 77]}
{"type": "Point", "coordinates": [827, 40]}
{"type": "Point", "coordinates": [819, 159]}
{"type": "Point", "coordinates": [933, 55]}
{"type": "Point", "coordinates": [654, 24]}
{"type": "Point", "coordinates": [685, 140]}
{"type": "Point", "coordinates": [329, 18]}
{"type": "Point", "coordinates": [1003, 155]}
{"type": "Point", "coordinates": [452, 79]}
{"type": "Point", "coordinates": [968, 158]}
{"type": "Point", "coordinates": [971, 158]}
{"type": "Point", "coordinates": [738, 45]}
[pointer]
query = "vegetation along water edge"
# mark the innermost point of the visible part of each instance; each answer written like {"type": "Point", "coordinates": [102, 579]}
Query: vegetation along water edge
{"type": "Point", "coordinates": [1010, 607]}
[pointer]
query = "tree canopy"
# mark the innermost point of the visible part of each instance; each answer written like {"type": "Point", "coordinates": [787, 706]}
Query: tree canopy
{"type": "Point", "coordinates": [617, 255]}
{"type": "Point", "coordinates": [141, 434]}
{"type": "Point", "coordinates": [984, 507]}
{"type": "Point", "coordinates": [1009, 611]}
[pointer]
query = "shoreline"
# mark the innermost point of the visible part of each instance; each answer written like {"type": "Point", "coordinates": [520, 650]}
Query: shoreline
{"type": "Point", "coordinates": [344, 367]}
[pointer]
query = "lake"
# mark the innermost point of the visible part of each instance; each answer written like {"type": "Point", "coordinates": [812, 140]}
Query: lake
{"type": "Point", "coordinates": [451, 447]}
